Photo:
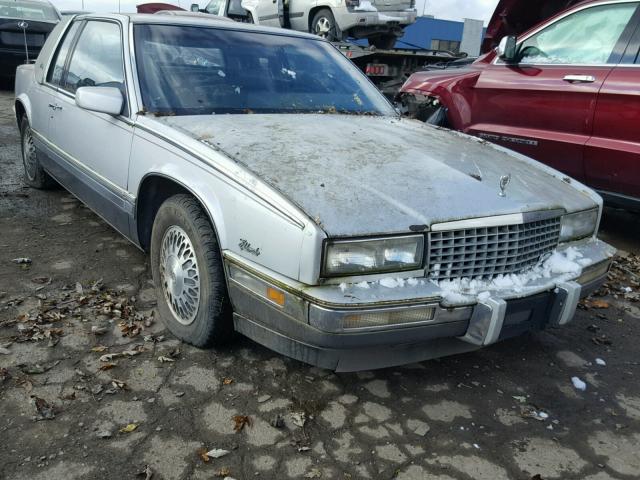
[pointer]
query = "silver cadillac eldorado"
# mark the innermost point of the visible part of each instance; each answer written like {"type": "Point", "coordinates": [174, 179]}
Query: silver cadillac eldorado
{"type": "Point", "coordinates": [281, 196]}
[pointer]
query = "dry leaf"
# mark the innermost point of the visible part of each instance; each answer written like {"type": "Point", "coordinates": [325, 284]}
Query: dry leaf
{"type": "Point", "coordinates": [163, 359]}
{"type": "Point", "coordinates": [202, 453]}
{"type": "Point", "coordinates": [129, 428]}
{"type": "Point", "coordinates": [107, 366]}
{"type": "Point", "coordinates": [240, 422]}
{"type": "Point", "coordinates": [223, 472]}
{"type": "Point", "coordinates": [99, 348]}
{"type": "Point", "coordinates": [227, 381]}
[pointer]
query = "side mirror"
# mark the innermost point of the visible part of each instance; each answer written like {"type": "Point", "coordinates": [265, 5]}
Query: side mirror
{"type": "Point", "coordinates": [195, 7]}
{"type": "Point", "coordinates": [100, 99]}
{"type": "Point", "coordinates": [507, 49]}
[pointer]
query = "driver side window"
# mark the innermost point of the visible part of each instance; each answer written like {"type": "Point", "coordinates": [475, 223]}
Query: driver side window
{"type": "Point", "coordinates": [588, 36]}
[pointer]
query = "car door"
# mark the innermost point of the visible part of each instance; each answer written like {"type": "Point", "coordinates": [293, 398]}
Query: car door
{"type": "Point", "coordinates": [95, 147]}
{"type": "Point", "coordinates": [612, 154]}
{"type": "Point", "coordinates": [544, 106]}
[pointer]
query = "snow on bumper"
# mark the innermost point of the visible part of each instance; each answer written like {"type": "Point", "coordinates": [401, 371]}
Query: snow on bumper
{"type": "Point", "coordinates": [350, 326]}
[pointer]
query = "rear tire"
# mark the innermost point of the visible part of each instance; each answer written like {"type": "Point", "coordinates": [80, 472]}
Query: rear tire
{"type": "Point", "coordinates": [383, 42]}
{"type": "Point", "coordinates": [34, 175]}
{"type": "Point", "coordinates": [324, 25]}
{"type": "Point", "coordinates": [188, 274]}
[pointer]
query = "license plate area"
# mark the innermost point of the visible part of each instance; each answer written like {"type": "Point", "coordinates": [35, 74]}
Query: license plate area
{"type": "Point", "coordinates": [526, 314]}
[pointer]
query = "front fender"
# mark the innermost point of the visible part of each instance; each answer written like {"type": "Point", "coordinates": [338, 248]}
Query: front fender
{"type": "Point", "coordinates": [453, 89]}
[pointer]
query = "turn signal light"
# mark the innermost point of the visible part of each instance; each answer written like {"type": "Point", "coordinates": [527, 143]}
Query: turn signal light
{"type": "Point", "coordinates": [276, 296]}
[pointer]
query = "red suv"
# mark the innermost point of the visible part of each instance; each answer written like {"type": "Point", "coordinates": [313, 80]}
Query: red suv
{"type": "Point", "coordinates": [565, 92]}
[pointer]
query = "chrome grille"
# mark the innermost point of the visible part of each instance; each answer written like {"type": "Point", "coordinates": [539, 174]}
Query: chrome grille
{"type": "Point", "coordinates": [487, 252]}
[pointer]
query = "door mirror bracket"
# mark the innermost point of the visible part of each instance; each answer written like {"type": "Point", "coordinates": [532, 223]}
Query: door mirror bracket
{"type": "Point", "coordinates": [507, 49]}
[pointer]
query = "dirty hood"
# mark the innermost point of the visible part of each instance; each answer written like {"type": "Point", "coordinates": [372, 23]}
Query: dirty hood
{"type": "Point", "coordinates": [513, 17]}
{"type": "Point", "coordinates": [356, 175]}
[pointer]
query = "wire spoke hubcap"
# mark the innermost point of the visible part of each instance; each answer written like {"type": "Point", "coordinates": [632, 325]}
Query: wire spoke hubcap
{"type": "Point", "coordinates": [29, 155]}
{"type": "Point", "coordinates": [180, 275]}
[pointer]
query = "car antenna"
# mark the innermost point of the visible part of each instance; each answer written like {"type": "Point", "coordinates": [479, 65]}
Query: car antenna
{"type": "Point", "coordinates": [23, 25]}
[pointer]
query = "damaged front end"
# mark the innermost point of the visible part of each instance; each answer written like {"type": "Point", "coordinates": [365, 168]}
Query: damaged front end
{"type": "Point", "coordinates": [425, 108]}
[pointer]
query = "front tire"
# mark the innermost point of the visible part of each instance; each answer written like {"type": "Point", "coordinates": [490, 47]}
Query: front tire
{"type": "Point", "coordinates": [188, 274]}
{"type": "Point", "coordinates": [324, 25]}
{"type": "Point", "coordinates": [34, 174]}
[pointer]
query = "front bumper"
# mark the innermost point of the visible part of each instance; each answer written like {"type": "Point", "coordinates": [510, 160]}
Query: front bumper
{"type": "Point", "coordinates": [348, 19]}
{"type": "Point", "coordinates": [338, 327]}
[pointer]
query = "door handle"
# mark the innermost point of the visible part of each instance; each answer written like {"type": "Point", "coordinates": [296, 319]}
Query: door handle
{"type": "Point", "coordinates": [53, 106]}
{"type": "Point", "coordinates": [579, 78]}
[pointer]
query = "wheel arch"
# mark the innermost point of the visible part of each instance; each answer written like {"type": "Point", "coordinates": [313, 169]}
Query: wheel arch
{"type": "Point", "coordinates": [316, 9]}
{"type": "Point", "coordinates": [153, 190]}
{"type": "Point", "coordinates": [22, 108]}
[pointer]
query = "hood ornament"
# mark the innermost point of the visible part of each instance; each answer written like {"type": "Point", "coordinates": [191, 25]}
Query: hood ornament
{"type": "Point", "coordinates": [504, 182]}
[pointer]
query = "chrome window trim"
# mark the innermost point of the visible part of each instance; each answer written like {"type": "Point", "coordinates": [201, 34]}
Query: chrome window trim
{"type": "Point", "coordinates": [497, 60]}
{"type": "Point", "coordinates": [119, 191]}
{"type": "Point", "coordinates": [58, 88]}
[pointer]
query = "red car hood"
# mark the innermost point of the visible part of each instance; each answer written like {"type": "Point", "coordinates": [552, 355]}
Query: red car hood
{"type": "Point", "coordinates": [513, 17]}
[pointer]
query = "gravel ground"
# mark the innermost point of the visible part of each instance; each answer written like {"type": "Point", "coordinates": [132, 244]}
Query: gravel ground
{"type": "Point", "coordinates": [91, 386]}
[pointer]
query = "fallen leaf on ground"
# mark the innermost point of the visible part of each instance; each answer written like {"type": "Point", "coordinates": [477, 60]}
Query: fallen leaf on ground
{"type": "Point", "coordinates": [240, 422]}
{"type": "Point", "coordinates": [118, 384]}
{"type": "Point", "coordinates": [129, 428]}
{"type": "Point", "coordinates": [22, 261]}
{"type": "Point", "coordinates": [597, 304]}
{"type": "Point", "coordinates": [223, 472]}
{"type": "Point", "coordinates": [227, 381]}
{"type": "Point", "coordinates": [164, 359]}
{"type": "Point", "coordinates": [41, 280]}
{"type": "Point", "coordinates": [107, 366]}
{"type": "Point", "coordinates": [147, 473]}
{"type": "Point", "coordinates": [45, 410]}
{"type": "Point", "coordinates": [99, 348]}
{"type": "Point", "coordinates": [313, 473]}
{"type": "Point", "coordinates": [202, 453]}
{"type": "Point", "coordinates": [299, 418]}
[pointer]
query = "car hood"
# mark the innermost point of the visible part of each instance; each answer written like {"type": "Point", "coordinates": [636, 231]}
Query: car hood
{"type": "Point", "coordinates": [513, 17]}
{"type": "Point", "coordinates": [361, 175]}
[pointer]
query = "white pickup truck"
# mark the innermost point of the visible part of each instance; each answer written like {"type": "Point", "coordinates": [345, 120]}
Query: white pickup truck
{"type": "Point", "coordinates": [379, 21]}
{"type": "Point", "coordinates": [280, 195]}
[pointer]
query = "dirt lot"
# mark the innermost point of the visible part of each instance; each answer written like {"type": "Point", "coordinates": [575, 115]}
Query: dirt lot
{"type": "Point", "coordinates": [69, 409]}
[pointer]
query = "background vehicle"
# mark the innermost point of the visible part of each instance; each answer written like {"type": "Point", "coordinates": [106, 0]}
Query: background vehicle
{"type": "Point", "coordinates": [24, 27]}
{"type": "Point", "coordinates": [379, 21]}
{"type": "Point", "coordinates": [564, 93]}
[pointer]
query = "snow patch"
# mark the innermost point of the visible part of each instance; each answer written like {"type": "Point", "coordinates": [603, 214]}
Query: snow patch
{"type": "Point", "coordinates": [578, 384]}
{"type": "Point", "coordinates": [461, 289]}
{"type": "Point", "coordinates": [601, 362]}
{"type": "Point", "coordinates": [391, 282]}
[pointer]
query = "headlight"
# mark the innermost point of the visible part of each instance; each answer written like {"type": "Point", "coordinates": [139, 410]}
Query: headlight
{"type": "Point", "coordinates": [355, 257]}
{"type": "Point", "coordinates": [578, 225]}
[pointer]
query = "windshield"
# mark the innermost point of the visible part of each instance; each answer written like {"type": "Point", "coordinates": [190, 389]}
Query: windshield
{"type": "Point", "coordinates": [28, 11]}
{"type": "Point", "coordinates": [188, 70]}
